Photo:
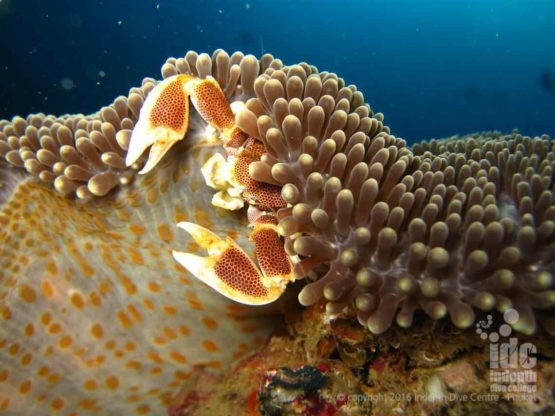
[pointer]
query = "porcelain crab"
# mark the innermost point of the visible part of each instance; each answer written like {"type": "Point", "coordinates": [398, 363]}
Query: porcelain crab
{"type": "Point", "coordinates": [163, 121]}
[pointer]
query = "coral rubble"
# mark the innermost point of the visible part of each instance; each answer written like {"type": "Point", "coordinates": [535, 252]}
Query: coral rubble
{"type": "Point", "coordinates": [314, 367]}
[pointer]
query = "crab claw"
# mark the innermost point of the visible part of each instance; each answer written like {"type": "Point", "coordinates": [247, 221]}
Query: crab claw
{"type": "Point", "coordinates": [227, 269]}
{"type": "Point", "coordinates": [163, 121]}
{"type": "Point", "coordinates": [211, 103]}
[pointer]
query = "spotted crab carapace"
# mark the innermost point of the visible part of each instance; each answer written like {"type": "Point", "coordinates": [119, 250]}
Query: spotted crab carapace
{"type": "Point", "coordinates": [163, 121]}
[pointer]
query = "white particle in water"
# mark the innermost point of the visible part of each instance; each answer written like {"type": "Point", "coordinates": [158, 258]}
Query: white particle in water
{"type": "Point", "coordinates": [101, 74]}
{"type": "Point", "coordinates": [67, 83]}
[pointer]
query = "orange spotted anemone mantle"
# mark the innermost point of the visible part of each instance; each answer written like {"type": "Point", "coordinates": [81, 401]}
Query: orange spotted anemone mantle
{"type": "Point", "coordinates": [97, 316]}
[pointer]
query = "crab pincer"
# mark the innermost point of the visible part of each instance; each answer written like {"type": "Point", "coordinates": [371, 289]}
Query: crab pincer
{"type": "Point", "coordinates": [164, 117]}
{"type": "Point", "coordinates": [230, 271]}
{"type": "Point", "coordinates": [163, 121]}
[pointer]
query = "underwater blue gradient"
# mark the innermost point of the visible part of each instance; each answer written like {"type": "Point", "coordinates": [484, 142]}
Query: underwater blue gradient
{"type": "Point", "coordinates": [434, 68]}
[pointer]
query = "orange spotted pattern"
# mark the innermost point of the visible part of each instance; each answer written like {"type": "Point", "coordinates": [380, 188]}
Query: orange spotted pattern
{"type": "Point", "coordinates": [212, 104]}
{"type": "Point", "coordinates": [171, 107]}
{"type": "Point", "coordinates": [236, 137]}
{"type": "Point", "coordinates": [269, 252]}
{"type": "Point", "coordinates": [235, 269]}
{"type": "Point", "coordinates": [263, 195]}
{"type": "Point", "coordinates": [251, 151]}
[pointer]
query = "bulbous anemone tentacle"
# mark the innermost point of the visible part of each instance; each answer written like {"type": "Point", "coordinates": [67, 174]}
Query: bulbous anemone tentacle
{"type": "Point", "coordinates": [452, 227]}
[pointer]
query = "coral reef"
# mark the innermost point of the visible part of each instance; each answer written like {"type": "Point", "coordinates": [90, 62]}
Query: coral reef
{"type": "Point", "coordinates": [96, 316]}
{"type": "Point", "coordinates": [313, 367]}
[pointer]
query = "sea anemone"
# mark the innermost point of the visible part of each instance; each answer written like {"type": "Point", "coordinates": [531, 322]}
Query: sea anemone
{"type": "Point", "coordinates": [449, 227]}
{"type": "Point", "coordinates": [97, 316]}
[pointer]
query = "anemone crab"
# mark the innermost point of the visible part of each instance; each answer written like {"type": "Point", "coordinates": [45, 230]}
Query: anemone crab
{"type": "Point", "coordinates": [163, 121]}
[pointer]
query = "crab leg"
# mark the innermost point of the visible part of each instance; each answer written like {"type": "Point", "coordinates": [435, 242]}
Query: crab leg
{"type": "Point", "coordinates": [211, 103]}
{"type": "Point", "coordinates": [229, 270]}
{"type": "Point", "coordinates": [164, 117]}
{"type": "Point", "coordinates": [258, 193]}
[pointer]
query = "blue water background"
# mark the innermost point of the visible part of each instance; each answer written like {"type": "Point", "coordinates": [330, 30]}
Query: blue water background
{"type": "Point", "coordinates": [434, 68]}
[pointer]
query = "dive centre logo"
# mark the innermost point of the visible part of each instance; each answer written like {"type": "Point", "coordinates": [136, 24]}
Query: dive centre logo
{"type": "Point", "coordinates": [512, 364]}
